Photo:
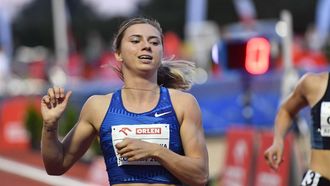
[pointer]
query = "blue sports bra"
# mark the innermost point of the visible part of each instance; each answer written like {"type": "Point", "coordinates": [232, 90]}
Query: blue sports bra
{"type": "Point", "coordinates": [160, 125]}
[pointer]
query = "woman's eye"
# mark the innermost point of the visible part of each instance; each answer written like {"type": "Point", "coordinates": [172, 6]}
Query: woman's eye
{"type": "Point", "coordinates": [134, 41]}
{"type": "Point", "coordinates": [155, 43]}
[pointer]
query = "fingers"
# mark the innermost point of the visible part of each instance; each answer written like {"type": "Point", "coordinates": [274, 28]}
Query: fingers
{"type": "Point", "coordinates": [122, 148]}
{"type": "Point", "coordinates": [67, 95]}
{"type": "Point", "coordinates": [58, 92]}
{"type": "Point", "coordinates": [132, 154]}
{"type": "Point", "coordinates": [267, 157]}
{"type": "Point", "coordinates": [51, 95]}
{"type": "Point", "coordinates": [135, 156]}
{"type": "Point", "coordinates": [270, 157]}
{"type": "Point", "coordinates": [123, 145]}
{"type": "Point", "coordinates": [46, 100]}
{"type": "Point", "coordinates": [131, 149]}
{"type": "Point", "coordinates": [56, 95]}
{"type": "Point", "coordinates": [274, 159]}
{"type": "Point", "coordinates": [61, 92]}
{"type": "Point", "coordinates": [274, 163]}
{"type": "Point", "coordinates": [278, 160]}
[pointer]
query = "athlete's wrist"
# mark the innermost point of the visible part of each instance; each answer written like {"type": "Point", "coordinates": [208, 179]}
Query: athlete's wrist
{"type": "Point", "coordinates": [50, 127]}
{"type": "Point", "coordinates": [278, 140]}
{"type": "Point", "coordinates": [158, 151]}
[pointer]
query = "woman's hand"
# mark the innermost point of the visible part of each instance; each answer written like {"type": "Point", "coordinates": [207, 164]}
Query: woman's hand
{"type": "Point", "coordinates": [53, 105]}
{"type": "Point", "coordinates": [274, 155]}
{"type": "Point", "coordinates": [135, 149]}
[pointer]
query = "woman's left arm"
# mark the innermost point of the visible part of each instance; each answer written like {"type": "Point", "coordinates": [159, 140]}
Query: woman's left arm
{"type": "Point", "coordinates": [192, 168]}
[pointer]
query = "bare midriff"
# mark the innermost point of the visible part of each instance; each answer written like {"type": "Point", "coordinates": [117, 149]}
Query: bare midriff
{"type": "Point", "coordinates": [320, 162]}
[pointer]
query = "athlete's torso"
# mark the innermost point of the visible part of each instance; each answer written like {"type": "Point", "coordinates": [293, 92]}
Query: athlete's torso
{"type": "Point", "coordinates": [160, 125]}
{"type": "Point", "coordinates": [320, 114]}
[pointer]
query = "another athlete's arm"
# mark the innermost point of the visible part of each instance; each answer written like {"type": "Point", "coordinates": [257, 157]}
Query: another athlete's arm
{"type": "Point", "coordinates": [283, 121]}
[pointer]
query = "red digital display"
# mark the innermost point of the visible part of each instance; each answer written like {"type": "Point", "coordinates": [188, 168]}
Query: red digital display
{"type": "Point", "coordinates": [257, 56]}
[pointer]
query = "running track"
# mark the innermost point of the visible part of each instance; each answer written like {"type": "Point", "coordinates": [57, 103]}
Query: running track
{"type": "Point", "coordinates": [26, 169]}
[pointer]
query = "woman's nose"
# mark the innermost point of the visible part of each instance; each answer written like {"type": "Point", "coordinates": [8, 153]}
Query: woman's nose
{"type": "Point", "coordinates": [146, 46]}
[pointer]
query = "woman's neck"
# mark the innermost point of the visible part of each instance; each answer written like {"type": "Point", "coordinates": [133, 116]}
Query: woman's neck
{"type": "Point", "coordinates": [139, 83]}
{"type": "Point", "coordinates": [141, 89]}
{"type": "Point", "coordinates": [140, 97]}
{"type": "Point", "coordinates": [147, 81]}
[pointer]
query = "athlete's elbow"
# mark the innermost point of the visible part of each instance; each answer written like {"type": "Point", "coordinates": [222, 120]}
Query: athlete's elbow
{"type": "Point", "coordinates": [54, 167]}
{"type": "Point", "coordinates": [54, 171]}
{"type": "Point", "coordinates": [201, 180]}
{"type": "Point", "coordinates": [199, 183]}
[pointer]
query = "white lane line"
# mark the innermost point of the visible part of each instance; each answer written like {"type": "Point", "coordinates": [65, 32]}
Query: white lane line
{"type": "Point", "coordinates": [38, 174]}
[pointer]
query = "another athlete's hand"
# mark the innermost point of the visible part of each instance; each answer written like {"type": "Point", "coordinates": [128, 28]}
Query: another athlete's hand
{"type": "Point", "coordinates": [274, 155]}
{"type": "Point", "coordinates": [135, 149]}
{"type": "Point", "coordinates": [53, 105]}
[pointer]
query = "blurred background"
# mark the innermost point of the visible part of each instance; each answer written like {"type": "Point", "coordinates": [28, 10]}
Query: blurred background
{"type": "Point", "coordinates": [249, 55]}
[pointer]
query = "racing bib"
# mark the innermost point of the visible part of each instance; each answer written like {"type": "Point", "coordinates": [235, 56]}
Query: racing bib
{"type": "Point", "coordinates": [153, 133]}
{"type": "Point", "coordinates": [325, 119]}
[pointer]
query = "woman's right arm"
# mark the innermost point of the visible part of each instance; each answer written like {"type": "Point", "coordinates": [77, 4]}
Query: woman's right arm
{"type": "Point", "coordinates": [59, 156]}
{"type": "Point", "coordinates": [283, 121]}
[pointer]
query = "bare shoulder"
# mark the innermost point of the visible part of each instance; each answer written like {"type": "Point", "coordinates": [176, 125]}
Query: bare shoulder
{"type": "Point", "coordinates": [180, 97]}
{"type": "Point", "coordinates": [98, 100]}
{"type": "Point", "coordinates": [184, 101]}
{"type": "Point", "coordinates": [95, 108]}
{"type": "Point", "coordinates": [186, 106]}
{"type": "Point", "coordinates": [314, 81]}
{"type": "Point", "coordinates": [313, 86]}
{"type": "Point", "coordinates": [312, 77]}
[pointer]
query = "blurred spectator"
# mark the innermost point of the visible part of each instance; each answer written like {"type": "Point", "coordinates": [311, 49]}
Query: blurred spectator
{"type": "Point", "coordinates": [106, 67]}
{"type": "Point", "coordinates": [93, 52]}
{"type": "Point", "coordinates": [246, 11]}
{"type": "Point", "coordinates": [30, 62]}
{"type": "Point", "coordinates": [75, 65]}
{"type": "Point", "coordinates": [4, 70]}
{"type": "Point", "coordinates": [305, 59]}
{"type": "Point", "coordinates": [201, 39]}
{"type": "Point", "coordinates": [37, 65]}
{"type": "Point", "coordinates": [172, 45]}
{"type": "Point", "coordinates": [320, 37]}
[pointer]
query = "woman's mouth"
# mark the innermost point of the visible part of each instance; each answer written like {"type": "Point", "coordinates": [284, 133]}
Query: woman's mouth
{"type": "Point", "coordinates": [145, 58]}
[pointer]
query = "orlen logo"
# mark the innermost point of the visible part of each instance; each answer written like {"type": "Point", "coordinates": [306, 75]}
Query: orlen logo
{"type": "Point", "coordinates": [124, 130]}
{"type": "Point", "coordinates": [156, 130]}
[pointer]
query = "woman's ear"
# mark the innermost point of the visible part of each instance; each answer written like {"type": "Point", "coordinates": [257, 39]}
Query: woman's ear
{"type": "Point", "coordinates": [118, 57]}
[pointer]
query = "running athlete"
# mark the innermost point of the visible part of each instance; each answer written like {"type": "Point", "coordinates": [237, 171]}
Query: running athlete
{"type": "Point", "coordinates": [313, 90]}
{"type": "Point", "coordinates": [150, 131]}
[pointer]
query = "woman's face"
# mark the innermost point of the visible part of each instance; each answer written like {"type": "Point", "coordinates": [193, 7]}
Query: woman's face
{"type": "Point", "coordinates": [141, 48]}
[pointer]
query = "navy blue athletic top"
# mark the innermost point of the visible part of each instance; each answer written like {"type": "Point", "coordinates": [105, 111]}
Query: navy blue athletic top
{"type": "Point", "coordinates": [320, 113]}
{"type": "Point", "coordinates": [120, 123]}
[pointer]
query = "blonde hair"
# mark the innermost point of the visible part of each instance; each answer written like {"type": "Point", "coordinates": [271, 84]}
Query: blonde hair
{"type": "Point", "coordinates": [175, 74]}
